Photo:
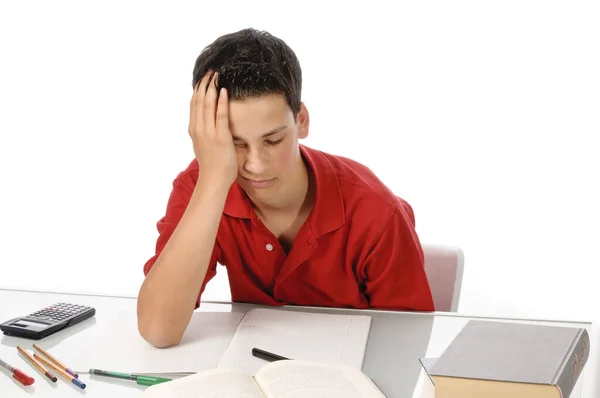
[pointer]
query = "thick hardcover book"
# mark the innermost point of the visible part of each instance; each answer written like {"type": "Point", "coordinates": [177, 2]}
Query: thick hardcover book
{"type": "Point", "coordinates": [509, 359]}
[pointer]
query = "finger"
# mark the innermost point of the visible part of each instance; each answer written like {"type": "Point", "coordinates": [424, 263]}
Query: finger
{"type": "Point", "coordinates": [203, 83]}
{"type": "Point", "coordinates": [193, 117]}
{"type": "Point", "coordinates": [209, 105]}
{"type": "Point", "coordinates": [222, 122]}
{"type": "Point", "coordinates": [197, 99]}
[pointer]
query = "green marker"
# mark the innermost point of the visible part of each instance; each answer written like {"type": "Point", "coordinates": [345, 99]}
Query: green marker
{"type": "Point", "coordinates": [139, 379]}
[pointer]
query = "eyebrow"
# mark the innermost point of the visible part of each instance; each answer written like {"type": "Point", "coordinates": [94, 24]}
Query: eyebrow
{"type": "Point", "coordinates": [265, 135]}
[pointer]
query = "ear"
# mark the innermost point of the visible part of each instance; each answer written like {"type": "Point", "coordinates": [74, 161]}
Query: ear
{"type": "Point", "coordinates": [303, 121]}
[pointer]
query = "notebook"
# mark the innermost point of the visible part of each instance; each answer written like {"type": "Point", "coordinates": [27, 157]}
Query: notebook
{"type": "Point", "coordinates": [278, 379]}
{"type": "Point", "coordinates": [219, 340]}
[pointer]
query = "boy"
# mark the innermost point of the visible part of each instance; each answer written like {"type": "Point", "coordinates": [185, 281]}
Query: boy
{"type": "Point", "coordinates": [292, 224]}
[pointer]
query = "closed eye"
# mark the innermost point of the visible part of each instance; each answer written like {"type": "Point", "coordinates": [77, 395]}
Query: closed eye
{"type": "Point", "coordinates": [269, 142]}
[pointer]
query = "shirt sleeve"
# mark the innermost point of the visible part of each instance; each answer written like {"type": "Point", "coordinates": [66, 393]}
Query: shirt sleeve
{"type": "Point", "coordinates": [393, 272]}
{"type": "Point", "coordinates": [179, 199]}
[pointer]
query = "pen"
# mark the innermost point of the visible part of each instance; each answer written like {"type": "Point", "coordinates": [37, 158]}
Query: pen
{"type": "Point", "coordinates": [56, 362]}
{"type": "Point", "coordinates": [267, 356]}
{"type": "Point", "coordinates": [139, 379]}
{"type": "Point", "coordinates": [61, 372]}
{"type": "Point", "coordinates": [17, 374]}
{"type": "Point", "coordinates": [37, 365]}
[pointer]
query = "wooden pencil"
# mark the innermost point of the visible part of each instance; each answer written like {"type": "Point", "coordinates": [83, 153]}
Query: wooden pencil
{"type": "Point", "coordinates": [35, 363]}
{"type": "Point", "coordinates": [56, 361]}
{"type": "Point", "coordinates": [61, 372]}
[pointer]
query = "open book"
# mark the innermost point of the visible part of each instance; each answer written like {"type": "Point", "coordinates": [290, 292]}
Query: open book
{"type": "Point", "coordinates": [217, 340]}
{"type": "Point", "coordinates": [289, 379]}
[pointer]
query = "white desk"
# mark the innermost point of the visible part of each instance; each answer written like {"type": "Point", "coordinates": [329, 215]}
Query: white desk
{"type": "Point", "coordinates": [396, 341]}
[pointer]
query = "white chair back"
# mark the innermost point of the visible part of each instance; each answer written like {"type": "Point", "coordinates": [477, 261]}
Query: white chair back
{"type": "Point", "coordinates": [444, 268]}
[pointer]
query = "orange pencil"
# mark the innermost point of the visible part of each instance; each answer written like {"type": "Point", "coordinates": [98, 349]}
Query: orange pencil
{"type": "Point", "coordinates": [56, 362]}
{"type": "Point", "coordinates": [37, 365]}
{"type": "Point", "coordinates": [61, 372]}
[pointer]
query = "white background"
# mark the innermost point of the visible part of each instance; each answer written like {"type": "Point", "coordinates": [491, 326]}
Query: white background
{"type": "Point", "coordinates": [483, 115]}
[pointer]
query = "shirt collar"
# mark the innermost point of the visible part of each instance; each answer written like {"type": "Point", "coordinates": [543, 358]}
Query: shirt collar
{"type": "Point", "coordinates": [237, 203]}
{"type": "Point", "coordinates": [328, 212]}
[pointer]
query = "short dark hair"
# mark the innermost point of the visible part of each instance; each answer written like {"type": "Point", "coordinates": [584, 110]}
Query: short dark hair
{"type": "Point", "coordinates": [252, 63]}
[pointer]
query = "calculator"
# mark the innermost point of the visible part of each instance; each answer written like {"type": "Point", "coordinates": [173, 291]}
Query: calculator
{"type": "Point", "coordinates": [47, 321]}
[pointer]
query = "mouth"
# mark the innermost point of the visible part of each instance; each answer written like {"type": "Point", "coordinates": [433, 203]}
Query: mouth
{"type": "Point", "coordinates": [259, 183]}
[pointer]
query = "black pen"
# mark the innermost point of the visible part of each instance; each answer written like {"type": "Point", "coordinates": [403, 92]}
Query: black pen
{"type": "Point", "coordinates": [267, 356]}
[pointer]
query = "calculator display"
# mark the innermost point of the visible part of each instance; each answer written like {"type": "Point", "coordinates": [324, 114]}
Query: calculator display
{"type": "Point", "coordinates": [27, 323]}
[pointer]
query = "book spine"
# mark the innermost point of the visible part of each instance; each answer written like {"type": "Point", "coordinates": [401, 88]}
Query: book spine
{"type": "Point", "coordinates": [573, 367]}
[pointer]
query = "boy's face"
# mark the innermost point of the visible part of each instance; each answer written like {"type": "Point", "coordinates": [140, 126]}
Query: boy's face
{"type": "Point", "coordinates": [266, 139]}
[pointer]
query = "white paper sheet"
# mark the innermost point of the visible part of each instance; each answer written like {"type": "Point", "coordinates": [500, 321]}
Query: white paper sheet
{"type": "Point", "coordinates": [116, 345]}
{"type": "Point", "coordinates": [326, 338]}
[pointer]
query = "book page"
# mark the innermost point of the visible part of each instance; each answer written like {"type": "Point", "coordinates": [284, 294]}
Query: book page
{"type": "Point", "coordinates": [216, 383]}
{"type": "Point", "coordinates": [115, 344]}
{"type": "Point", "coordinates": [332, 338]}
{"type": "Point", "coordinates": [301, 379]}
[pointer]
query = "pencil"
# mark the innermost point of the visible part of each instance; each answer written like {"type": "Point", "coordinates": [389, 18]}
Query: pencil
{"type": "Point", "coordinates": [37, 365]}
{"type": "Point", "coordinates": [61, 372]}
{"type": "Point", "coordinates": [56, 362]}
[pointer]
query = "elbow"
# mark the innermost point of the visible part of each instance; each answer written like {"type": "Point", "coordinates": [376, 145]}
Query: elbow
{"type": "Point", "coordinates": [158, 335]}
{"type": "Point", "coordinates": [156, 330]}
{"type": "Point", "coordinates": [157, 322]}
{"type": "Point", "coordinates": [158, 341]}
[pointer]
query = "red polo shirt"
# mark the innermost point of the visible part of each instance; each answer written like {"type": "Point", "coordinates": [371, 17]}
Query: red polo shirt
{"type": "Point", "coordinates": [358, 248]}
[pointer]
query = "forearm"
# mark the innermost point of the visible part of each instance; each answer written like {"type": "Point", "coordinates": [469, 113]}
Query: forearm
{"type": "Point", "coordinates": [170, 290]}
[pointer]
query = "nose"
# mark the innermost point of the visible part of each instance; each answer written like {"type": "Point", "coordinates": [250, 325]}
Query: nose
{"type": "Point", "coordinates": [255, 162]}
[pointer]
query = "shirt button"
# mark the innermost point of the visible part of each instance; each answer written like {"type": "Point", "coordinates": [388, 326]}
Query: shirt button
{"type": "Point", "coordinates": [269, 247]}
